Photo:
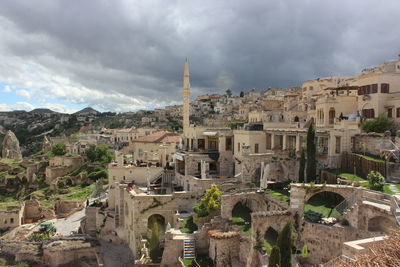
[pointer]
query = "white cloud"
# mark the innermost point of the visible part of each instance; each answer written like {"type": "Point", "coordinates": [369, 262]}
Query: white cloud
{"type": "Point", "coordinates": [7, 89]}
{"type": "Point", "coordinates": [24, 93]}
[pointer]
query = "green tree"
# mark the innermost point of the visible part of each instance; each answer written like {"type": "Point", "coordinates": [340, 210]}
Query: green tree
{"type": "Point", "coordinates": [285, 244]}
{"type": "Point", "coordinates": [228, 93]}
{"type": "Point", "coordinates": [59, 149]}
{"type": "Point", "coordinates": [275, 258]}
{"type": "Point", "coordinates": [99, 154]}
{"type": "Point", "coordinates": [302, 166]}
{"type": "Point", "coordinates": [210, 202]}
{"type": "Point", "coordinates": [377, 125]}
{"type": "Point", "coordinates": [97, 189]}
{"type": "Point", "coordinates": [241, 94]}
{"type": "Point", "coordinates": [304, 252]}
{"type": "Point", "coordinates": [375, 180]}
{"type": "Point", "coordinates": [311, 164]}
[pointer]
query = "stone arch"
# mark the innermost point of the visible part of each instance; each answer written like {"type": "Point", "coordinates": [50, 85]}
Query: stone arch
{"type": "Point", "coordinates": [381, 224]}
{"type": "Point", "coordinates": [156, 218]}
{"type": "Point", "coordinates": [271, 236]}
{"type": "Point", "coordinates": [254, 201]}
{"type": "Point", "coordinates": [332, 115]}
{"type": "Point", "coordinates": [326, 192]}
{"type": "Point", "coordinates": [326, 201]}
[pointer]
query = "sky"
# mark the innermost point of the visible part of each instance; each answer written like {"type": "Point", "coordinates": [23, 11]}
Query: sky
{"type": "Point", "coordinates": [120, 55]}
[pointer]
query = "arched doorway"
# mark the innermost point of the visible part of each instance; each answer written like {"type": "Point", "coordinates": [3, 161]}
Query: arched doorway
{"type": "Point", "coordinates": [381, 224]}
{"type": "Point", "coordinates": [270, 239]}
{"type": "Point", "coordinates": [155, 234]}
{"type": "Point", "coordinates": [296, 119]}
{"type": "Point", "coordinates": [241, 216]}
{"type": "Point", "coordinates": [322, 205]}
{"type": "Point", "coordinates": [331, 115]}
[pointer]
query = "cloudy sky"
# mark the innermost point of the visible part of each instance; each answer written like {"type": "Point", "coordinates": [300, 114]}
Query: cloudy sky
{"type": "Point", "coordinates": [124, 55]}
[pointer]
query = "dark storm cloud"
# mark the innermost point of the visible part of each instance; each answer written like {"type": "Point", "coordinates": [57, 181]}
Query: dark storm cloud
{"type": "Point", "coordinates": [137, 48]}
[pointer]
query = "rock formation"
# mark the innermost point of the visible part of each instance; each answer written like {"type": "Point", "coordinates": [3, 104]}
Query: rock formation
{"type": "Point", "coordinates": [11, 146]}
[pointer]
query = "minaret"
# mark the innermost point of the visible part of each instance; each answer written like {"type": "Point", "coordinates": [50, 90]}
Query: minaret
{"type": "Point", "coordinates": [186, 95]}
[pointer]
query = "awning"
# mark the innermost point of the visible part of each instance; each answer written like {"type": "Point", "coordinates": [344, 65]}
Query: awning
{"type": "Point", "coordinates": [179, 156]}
{"type": "Point", "coordinates": [210, 133]}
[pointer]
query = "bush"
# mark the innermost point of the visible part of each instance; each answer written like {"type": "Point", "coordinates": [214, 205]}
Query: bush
{"type": "Point", "coordinates": [375, 180]}
{"type": "Point", "coordinates": [312, 216]}
{"type": "Point", "coordinates": [59, 149]}
{"type": "Point", "coordinates": [98, 175]}
{"type": "Point", "coordinates": [377, 125]}
{"type": "Point", "coordinates": [209, 203]}
{"type": "Point", "coordinates": [275, 258]}
{"type": "Point", "coordinates": [99, 154]}
{"type": "Point", "coordinates": [304, 252]}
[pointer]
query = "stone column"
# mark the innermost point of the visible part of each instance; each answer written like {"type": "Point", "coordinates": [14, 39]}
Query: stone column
{"type": "Point", "coordinates": [284, 141]}
{"type": "Point", "coordinates": [298, 142]}
{"type": "Point", "coordinates": [272, 141]}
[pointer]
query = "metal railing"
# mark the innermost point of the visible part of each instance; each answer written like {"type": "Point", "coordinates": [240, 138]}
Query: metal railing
{"type": "Point", "coordinates": [397, 216]}
{"type": "Point", "coordinates": [346, 204]}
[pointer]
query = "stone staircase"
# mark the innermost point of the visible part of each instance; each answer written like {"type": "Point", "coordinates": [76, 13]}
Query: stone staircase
{"type": "Point", "coordinates": [189, 247]}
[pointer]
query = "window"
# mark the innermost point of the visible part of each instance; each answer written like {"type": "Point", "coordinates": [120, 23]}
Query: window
{"type": "Point", "coordinates": [385, 88]}
{"type": "Point", "coordinates": [212, 145]}
{"type": "Point", "coordinates": [256, 148]}
{"type": "Point", "coordinates": [228, 144]}
{"type": "Point", "coordinates": [269, 141]}
{"type": "Point", "coordinates": [200, 143]}
{"type": "Point", "coordinates": [389, 112]}
{"type": "Point", "coordinates": [11, 220]}
{"type": "Point", "coordinates": [397, 112]}
{"type": "Point", "coordinates": [368, 113]}
{"type": "Point", "coordinates": [374, 88]}
{"type": "Point", "coordinates": [238, 147]}
{"type": "Point", "coordinates": [337, 149]}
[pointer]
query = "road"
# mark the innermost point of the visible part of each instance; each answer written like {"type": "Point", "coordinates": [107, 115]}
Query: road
{"type": "Point", "coordinates": [67, 225]}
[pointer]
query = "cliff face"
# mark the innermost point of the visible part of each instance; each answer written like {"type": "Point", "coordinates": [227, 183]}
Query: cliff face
{"type": "Point", "coordinates": [11, 146]}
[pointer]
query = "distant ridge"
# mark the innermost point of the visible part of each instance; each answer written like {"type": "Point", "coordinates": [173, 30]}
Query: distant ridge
{"type": "Point", "coordinates": [87, 110]}
{"type": "Point", "coordinates": [42, 111]}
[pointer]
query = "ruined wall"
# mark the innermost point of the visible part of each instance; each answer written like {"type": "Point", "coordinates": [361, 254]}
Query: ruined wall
{"type": "Point", "coordinates": [369, 143]}
{"type": "Point", "coordinates": [326, 242]}
{"type": "Point", "coordinates": [65, 207]}
{"type": "Point", "coordinates": [225, 251]}
{"type": "Point", "coordinates": [253, 200]}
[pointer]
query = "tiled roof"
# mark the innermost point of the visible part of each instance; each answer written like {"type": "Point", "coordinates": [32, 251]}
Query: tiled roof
{"type": "Point", "coordinates": [159, 137]}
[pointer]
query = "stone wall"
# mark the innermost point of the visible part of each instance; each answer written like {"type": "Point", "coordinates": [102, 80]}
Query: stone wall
{"type": "Point", "coordinates": [369, 143]}
{"type": "Point", "coordinates": [64, 207]}
{"type": "Point", "coordinates": [277, 166]}
{"type": "Point", "coordinates": [225, 249]}
{"type": "Point", "coordinates": [11, 217]}
{"type": "Point", "coordinates": [253, 200]}
{"type": "Point", "coordinates": [326, 242]}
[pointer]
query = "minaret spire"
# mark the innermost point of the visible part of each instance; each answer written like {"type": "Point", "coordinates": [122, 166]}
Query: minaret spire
{"type": "Point", "coordinates": [186, 96]}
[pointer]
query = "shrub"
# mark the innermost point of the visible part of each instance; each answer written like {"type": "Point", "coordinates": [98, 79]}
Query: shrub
{"type": "Point", "coordinates": [312, 216]}
{"type": "Point", "coordinates": [209, 203]}
{"type": "Point", "coordinates": [275, 258]}
{"type": "Point", "coordinates": [98, 175]}
{"type": "Point", "coordinates": [285, 244]}
{"type": "Point", "coordinates": [345, 222]}
{"type": "Point", "coordinates": [59, 149]}
{"type": "Point", "coordinates": [99, 154]}
{"type": "Point", "coordinates": [377, 125]}
{"type": "Point", "coordinates": [304, 252]}
{"type": "Point", "coordinates": [375, 180]}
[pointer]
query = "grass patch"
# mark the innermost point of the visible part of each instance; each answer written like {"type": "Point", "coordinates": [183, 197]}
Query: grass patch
{"type": "Point", "coordinates": [386, 188]}
{"type": "Point", "coordinates": [349, 176]}
{"type": "Point", "coordinates": [202, 260]}
{"type": "Point", "coordinates": [279, 194]}
{"type": "Point", "coordinates": [371, 157]}
{"type": "Point", "coordinates": [323, 205]}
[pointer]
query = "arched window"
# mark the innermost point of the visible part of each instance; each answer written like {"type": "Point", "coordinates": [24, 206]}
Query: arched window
{"type": "Point", "coordinates": [331, 115]}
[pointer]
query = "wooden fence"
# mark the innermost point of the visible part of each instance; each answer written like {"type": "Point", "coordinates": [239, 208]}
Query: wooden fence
{"type": "Point", "coordinates": [354, 163]}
